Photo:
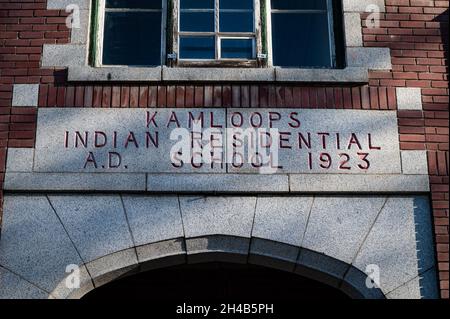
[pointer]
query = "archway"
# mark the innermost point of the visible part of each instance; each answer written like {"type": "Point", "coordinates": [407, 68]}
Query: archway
{"type": "Point", "coordinates": [329, 239]}
{"type": "Point", "coordinates": [215, 282]}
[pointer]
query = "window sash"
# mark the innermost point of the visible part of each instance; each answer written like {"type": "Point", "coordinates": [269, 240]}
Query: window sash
{"type": "Point", "coordinates": [329, 11]}
{"type": "Point", "coordinates": [217, 34]}
{"type": "Point", "coordinates": [101, 27]}
{"type": "Point", "coordinates": [256, 34]}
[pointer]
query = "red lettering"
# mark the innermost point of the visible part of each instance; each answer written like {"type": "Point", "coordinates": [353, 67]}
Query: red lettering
{"type": "Point", "coordinates": [153, 139]}
{"type": "Point", "coordinates": [241, 120]}
{"type": "Point", "coordinates": [90, 160]}
{"type": "Point", "coordinates": [66, 139]}
{"type": "Point", "coordinates": [285, 137]}
{"type": "Point", "coordinates": [273, 116]}
{"type": "Point", "coordinates": [131, 139]}
{"type": "Point", "coordinates": [259, 120]}
{"type": "Point", "coordinates": [199, 119]}
{"type": "Point", "coordinates": [173, 119]}
{"type": "Point", "coordinates": [301, 140]}
{"type": "Point", "coordinates": [354, 141]}
{"type": "Point", "coordinates": [325, 160]}
{"type": "Point", "coordinates": [151, 119]}
{"type": "Point", "coordinates": [363, 157]}
{"type": "Point", "coordinates": [79, 138]}
{"type": "Point", "coordinates": [296, 122]}
{"type": "Point", "coordinates": [324, 139]}
{"type": "Point", "coordinates": [371, 147]}
{"type": "Point", "coordinates": [211, 116]}
{"type": "Point", "coordinates": [345, 159]}
{"type": "Point", "coordinates": [97, 135]}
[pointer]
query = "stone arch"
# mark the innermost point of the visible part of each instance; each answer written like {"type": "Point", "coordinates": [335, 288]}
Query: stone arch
{"type": "Point", "coordinates": [230, 249]}
{"type": "Point", "coordinates": [331, 239]}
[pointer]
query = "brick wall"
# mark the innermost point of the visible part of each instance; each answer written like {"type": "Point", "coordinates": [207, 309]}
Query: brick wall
{"type": "Point", "coordinates": [414, 30]}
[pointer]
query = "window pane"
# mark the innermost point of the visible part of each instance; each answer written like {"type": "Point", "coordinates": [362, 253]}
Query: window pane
{"type": "Point", "coordinates": [197, 21]}
{"type": "Point", "coordinates": [132, 38]}
{"type": "Point", "coordinates": [197, 4]}
{"type": "Point", "coordinates": [197, 48]}
{"type": "Point", "coordinates": [301, 40]}
{"type": "Point", "coordinates": [134, 4]}
{"type": "Point", "coordinates": [236, 21]}
{"type": "Point", "coordinates": [299, 5]}
{"type": "Point", "coordinates": [236, 4]}
{"type": "Point", "coordinates": [237, 49]}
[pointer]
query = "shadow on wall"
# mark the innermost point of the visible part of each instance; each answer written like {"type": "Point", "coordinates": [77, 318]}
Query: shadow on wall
{"type": "Point", "coordinates": [425, 248]}
{"type": "Point", "coordinates": [443, 19]}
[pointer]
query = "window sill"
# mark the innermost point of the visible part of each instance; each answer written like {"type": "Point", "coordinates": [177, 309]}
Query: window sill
{"type": "Point", "coordinates": [197, 74]}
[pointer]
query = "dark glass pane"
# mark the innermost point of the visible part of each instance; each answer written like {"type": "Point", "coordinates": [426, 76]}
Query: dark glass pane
{"type": "Point", "coordinates": [197, 48]}
{"type": "Point", "coordinates": [299, 4]}
{"type": "Point", "coordinates": [197, 4]}
{"type": "Point", "coordinates": [197, 21]}
{"type": "Point", "coordinates": [236, 4]}
{"type": "Point", "coordinates": [237, 49]}
{"type": "Point", "coordinates": [132, 38]}
{"type": "Point", "coordinates": [134, 4]}
{"type": "Point", "coordinates": [236, 21]}
{"type": "Point", "coordinates": [301, 40]}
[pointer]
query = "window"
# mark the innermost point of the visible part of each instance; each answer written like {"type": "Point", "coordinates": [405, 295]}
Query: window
{"type": "Point", "coordinates": [216, 30]}
{"type": "Point", "coordinates": [283, 33]}
{"type": "Point", "coordinates": [303, 33]}
{"type": "Point", "coordinates": [132, 32]}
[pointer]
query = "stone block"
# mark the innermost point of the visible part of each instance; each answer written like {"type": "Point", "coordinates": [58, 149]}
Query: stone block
{"type": "Point", "coordinates": [313, 183]}
{"type": "Point", "coordinates": [20, 160]}
{"type": "Point", "coordinates": [217, 249]}
{"type": "Point", "coordinates": [153, 218]}
{"type": "Point", "coordinates": [110, 267]}
{"type": "Point", "coordinates": [64, 55]}
{"type": "Point", "coordinates": [95, 223]}
{"type": "Point", "coordinates": [25, 95]}
{"type": "Point", "coordinates": [123, 74]}
{"type": "Point", "coordinates": [218, 74]}
{"type": "Point", "coordinates": [409, 99]}
{"type": "Point", "coordinates": [217, 215]}
{"type": "Point", "coordinates": [74, 182]}
{"type": "Point", "coordinates": [14, 287]}
{"type": "Point", "coordinates": [370, 58]}
{"type": "Point", "coordinates": [34, 244]}
{"type": "Point", "coordinates": [363, 5]}
{"type": "Point", "coordinates": [393, 246]}
{"type": "Point", "coordinates": [282, 219]}
{"type": "Point", "coordinates": [273, 254]}
{"type": "Point", "coordinates": [353, 29]}
{"type": "Point", "coordinates": [349, 74]}
{"type": "Point", "coordinates": [241, 183]}
{"type": "Point", "coordinates": [337, 226]}
{"type": "Point", "coordinates": [414, 162]}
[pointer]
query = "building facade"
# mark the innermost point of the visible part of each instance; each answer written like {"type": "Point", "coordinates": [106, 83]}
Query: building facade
{"type": "Point", "coordinates": [306, 136]}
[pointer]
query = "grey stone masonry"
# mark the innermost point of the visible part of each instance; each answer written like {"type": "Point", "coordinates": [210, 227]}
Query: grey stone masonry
{"type": "Point", "coordinates": [25, 95]}
{"type": "Point", "coordinates": [334, 239]}
{"type": "Point", "coordinates": [414, 162]}
{"type": "Point", "coordinates": [214, 183]}
{"type": "Point", "coordinates": [360, 59]}
{"type": "Point", "coordinates": [363, 5]}
{"type": "Point", "coordinates": [409, 99]}
{"type": "Point", "coordinates": [81, 140]}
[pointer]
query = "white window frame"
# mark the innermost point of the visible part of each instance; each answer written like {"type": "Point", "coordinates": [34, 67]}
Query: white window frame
{"type": "Point", "coordinates": [255, 35]}
{"type": "Point", "coordinates": [330, 15]}
{"type": "Point", "coordinates": [101, 26]}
